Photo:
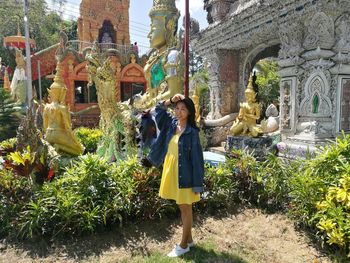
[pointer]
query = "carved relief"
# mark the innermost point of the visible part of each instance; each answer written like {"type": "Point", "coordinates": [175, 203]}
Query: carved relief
{"type": "Point", "coordinates": [342, 31]}
{"type": "Point", "coordinates": [320, 32]}
{"type": "Point", "coordinates": [286, 105]}
{"type": "Point", "coordinates": [316, 101]}
{"type": "Point", "coordinates": [345, 106]}
{"type": "Point", "coordinates": [291, 39]}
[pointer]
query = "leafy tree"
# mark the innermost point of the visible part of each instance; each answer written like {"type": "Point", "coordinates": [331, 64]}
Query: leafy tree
{"type": "Point", "coordinates": [196, 62]}
{"type": "Point", "coordinates": [43, 25]}
{"type": "Point", "coordinates": [199, 81]}
{"type": "Point", "coordinates": [9, 116]}
{"type": "Point", "coordinates": [268, 82]}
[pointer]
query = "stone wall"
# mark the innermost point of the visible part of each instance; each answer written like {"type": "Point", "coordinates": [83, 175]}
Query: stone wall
{"type": "Point", "coordinates": [314, 60]}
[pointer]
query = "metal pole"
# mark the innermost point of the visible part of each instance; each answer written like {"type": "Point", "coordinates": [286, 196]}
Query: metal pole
{"type": "Point", "coordinates": [187, 43]}
{"type": "Point", "coordinates": [28, 60]}
{"type": "Point", "coordinates": [39, 79]}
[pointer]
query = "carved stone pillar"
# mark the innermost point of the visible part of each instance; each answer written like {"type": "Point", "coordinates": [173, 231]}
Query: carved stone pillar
{"type": "Point", "coordinates": [223, 70]}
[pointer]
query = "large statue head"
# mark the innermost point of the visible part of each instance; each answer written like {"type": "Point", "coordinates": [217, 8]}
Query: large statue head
{"type": "Point", "coordinates": [164, 17]}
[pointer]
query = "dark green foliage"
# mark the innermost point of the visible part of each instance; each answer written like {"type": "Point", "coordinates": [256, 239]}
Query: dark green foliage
{"type": "Point", "coordinates": [146, 203]}
{"type": "Point", "coordinates": [89, 138]}
{"type": "Point", "coordinates": [44, 25]}
{"type": "Point", "coordinates": [89, 195]}
{"type": "Point", "coordinates": [10, 116]}
{"type": "Point", "coordinates": [219, 188]}
{"type": "Point", "coordinates": [268, 82]}
{"type": "Point", "coordinates": [15, 193]}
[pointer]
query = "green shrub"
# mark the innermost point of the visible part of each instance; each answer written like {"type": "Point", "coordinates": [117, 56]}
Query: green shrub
{"type": "Point", "coordinates": [15, 193]}
{"type": "Point", "coordinates": [89, 138]}
{"type": "Point", "coordinates": [332, 216]}
{"type": "Point", "coordinates": [146, 203]}
{"type": "Point", "coordinates": [89, 195]}
{"type": "Point", "coordinates": [10, 116]}
{"type": "Point", "coordinates": [219, 188]}
{"type": "Point", "coordinates": [311, 181]}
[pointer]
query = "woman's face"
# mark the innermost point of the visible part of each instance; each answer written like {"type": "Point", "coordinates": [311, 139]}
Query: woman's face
{"type": "Point", "coordinates": [181, 112]}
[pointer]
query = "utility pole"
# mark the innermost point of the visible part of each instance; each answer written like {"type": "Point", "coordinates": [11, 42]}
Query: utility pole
{"type": "Point", "coordinates": [187, 46]}
{"type": "Point", "coordinates": [28, 59]}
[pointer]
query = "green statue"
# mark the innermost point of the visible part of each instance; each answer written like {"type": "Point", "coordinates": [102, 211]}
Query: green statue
{"type": "Point", "coordinates": [164, 71]}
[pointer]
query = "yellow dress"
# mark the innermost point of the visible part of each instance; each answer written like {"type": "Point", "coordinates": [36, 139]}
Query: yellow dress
{"type": "Point", "coordinates": [169, 188]}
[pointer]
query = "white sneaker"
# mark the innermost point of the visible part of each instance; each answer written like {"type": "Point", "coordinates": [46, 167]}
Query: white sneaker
{"type": "Point", "coordinates": [178, 251]}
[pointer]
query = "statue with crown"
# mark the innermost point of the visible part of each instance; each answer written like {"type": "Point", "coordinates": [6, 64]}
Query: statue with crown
{"type": "Point", "coordinates": [164, 70]}
{"type": "Point", "coordinates": [245, 133]}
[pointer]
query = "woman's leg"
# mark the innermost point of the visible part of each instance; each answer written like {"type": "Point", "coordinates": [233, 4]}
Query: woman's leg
{"type": "Point", "coordinates": [187, 218]}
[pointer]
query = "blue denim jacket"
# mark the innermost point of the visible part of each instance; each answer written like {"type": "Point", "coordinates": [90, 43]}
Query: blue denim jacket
{"type": "Point", "coordinates": [191, 164]}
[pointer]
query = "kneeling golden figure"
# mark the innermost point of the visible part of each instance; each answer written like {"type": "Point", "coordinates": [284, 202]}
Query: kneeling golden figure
{"type": "Point", "coordinates": [249, 113]}
{"type": "Point", "coordinates": [57, 121]}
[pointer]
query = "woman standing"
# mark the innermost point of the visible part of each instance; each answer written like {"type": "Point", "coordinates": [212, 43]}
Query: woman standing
{"type": "Point", "coordinates": [178, 147]}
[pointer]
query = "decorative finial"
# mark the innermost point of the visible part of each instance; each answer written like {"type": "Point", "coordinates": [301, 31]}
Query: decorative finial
{"type": "Point", "coordinates": [250, 83]}
{"type": "Point", "coordinates": [18, 30]}
{"type": "Point", "coordinates": [163, 6]}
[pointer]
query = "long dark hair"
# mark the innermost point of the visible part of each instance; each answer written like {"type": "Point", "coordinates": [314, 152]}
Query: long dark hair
{"type": "Point", "coordinates": [191, 112]}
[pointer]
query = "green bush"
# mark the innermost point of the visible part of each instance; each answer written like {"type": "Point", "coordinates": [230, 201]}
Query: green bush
{"type": "Point", "coordinates": [10, 116]}
{"type": "Point", "coordinates": [219, 188]}
{"type": "Point", "coordinates": [89, 138]}
{"type": "Point", "coordinates": [15, 193]}
{"type": "Point", "coordinates": [332, 216]}
{"type": "Point", "coordinates": [90, 194]}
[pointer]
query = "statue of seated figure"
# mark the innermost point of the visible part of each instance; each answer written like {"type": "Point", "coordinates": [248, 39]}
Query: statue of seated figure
{"type": "Point", "coordinates": [249, 113]}
{"type": "Point", "coordinates": [57, 121]}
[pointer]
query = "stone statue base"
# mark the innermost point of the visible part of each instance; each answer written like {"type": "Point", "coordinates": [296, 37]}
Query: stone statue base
{"type": "Point", "coordinates": [260, 147]}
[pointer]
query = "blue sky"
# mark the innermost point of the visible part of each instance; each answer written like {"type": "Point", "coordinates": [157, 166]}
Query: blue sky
{"type": "Point", "coordinates": [139, 20]}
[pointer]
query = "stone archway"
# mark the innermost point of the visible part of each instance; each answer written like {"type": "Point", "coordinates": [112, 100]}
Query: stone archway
{"type": "Point", "coordinates": [313, 59]}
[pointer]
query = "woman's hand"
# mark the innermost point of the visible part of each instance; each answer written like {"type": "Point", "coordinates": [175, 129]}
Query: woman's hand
{"type": "Point", "coordinates": [174, 99]}
{"type": "Point", "coordinates": [177, 97]}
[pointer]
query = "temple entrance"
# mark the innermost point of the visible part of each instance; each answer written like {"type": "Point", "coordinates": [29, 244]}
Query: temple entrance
{"type": "Point", "coordinates": [266, 79]}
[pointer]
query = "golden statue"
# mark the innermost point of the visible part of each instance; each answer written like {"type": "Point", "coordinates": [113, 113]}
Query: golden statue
{"type": "Point", "coordinates": [103, 74]}
{"type": "Point", "coordinates": [57, 121]}
{"type": "Point", "coordinates": [7, 84]}
{"type": "Point", "coordinates": [195, 99]}
{"type": "Point", "coordinates": [164, 70]}
{"type": "Point", "coordinates": [249, 113]}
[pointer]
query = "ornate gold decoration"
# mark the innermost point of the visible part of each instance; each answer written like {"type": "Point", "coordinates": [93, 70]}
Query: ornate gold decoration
{"type": "Point", "coordinates": [164, 69]}
{"type": "Point", "coordinates": [249, 113]}
{"type": "Point", "coordinates": [57, 121]}
{"type": "Point", "coordinates": [164, 6]}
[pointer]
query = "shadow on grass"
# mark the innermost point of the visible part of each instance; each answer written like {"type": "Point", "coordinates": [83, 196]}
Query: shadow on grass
{"type": "Point", "coordinates": [197, 254]}
{"type": "Point", "coordinates": [200, 254]}
{"type": "Point", "coordinates": [133, 237]}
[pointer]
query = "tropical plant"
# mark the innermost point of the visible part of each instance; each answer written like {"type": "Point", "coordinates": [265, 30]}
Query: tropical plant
{"type": "Point", "coordinates": [15, 193]}
{"type": "Point", "coordinates": [89, 195]}
{"type": "Point", "coordinates": [89, 138]}
{"type": "Point", "coordinates": [268, 82]}
{"type": "Point", "coordinates": [332, 216]}
{"type": "Point", "coordinates": [7, 146]}
{"type": "Point", "coordinates": [10, 116]}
